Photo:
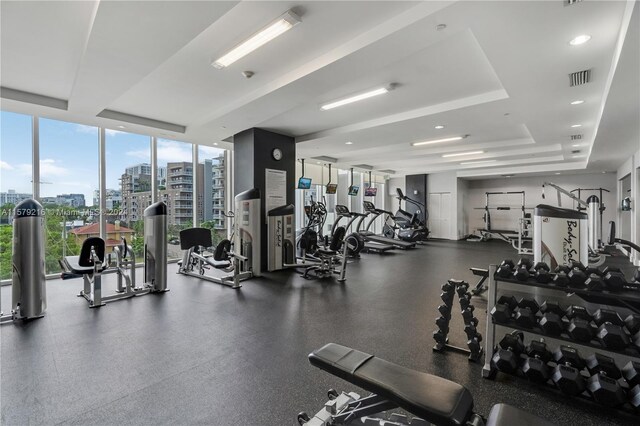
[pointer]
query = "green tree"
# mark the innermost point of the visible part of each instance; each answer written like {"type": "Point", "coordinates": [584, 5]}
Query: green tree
{"type": "Point", "coordinates": [216, 235]}
{"type": "Point", "coordinates": [6, 234]}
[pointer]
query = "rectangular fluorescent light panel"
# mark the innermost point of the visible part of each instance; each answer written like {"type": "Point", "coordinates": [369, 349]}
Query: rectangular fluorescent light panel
{"type": "Point", "coordinates": [281, 25]}
{"type": "Point", "coordinates": [459, 154]}
{"type": "Point", "coordinates": [477, 162]}
{"type": "Point", "coordinates": [356, 98]}
{"type": "Point", "coordinates": [456, 138]}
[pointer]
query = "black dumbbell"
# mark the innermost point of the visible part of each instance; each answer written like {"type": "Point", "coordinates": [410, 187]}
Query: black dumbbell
{"type": "Point", "coordinates": [634, 396]}
{"type": "Point", "coordinates": [525, 315]}
{"type": "Point", "coordinates": [610, 332]}
{"type": "Point", "coordinates": [521, 273]}
{"type": "Point", "coordinates": [632, 322]}
{"type": "Point", "coordinates": [440, 337]}
{"type": "Point", "coordinates": [562, 268]}
{"type": "Point", "coordinates": [603, 384]}
{"type": "Point", "coordinates": [579, 327]}
{"type": "Point", "coordinates": [445, 311]}
{"type": "Point", "coordinates": [542, 274]}
{"type": "Point", "coordinates": [594, 283]}
{"type": "Point", "coordinates": [535, 367]}
{"type": "Point", "coordinates": [615, 280]}
{"type": "Point", "coordinates": [474, 346]}
{"type": "Point", "coordinates": [506, 268]}
{"type": "Point", "coordinates": [462, 288]}
{"type": "Point", "coordinates": [507, 355]}
{"type": "Point", "coordinates": [472, 332]}
{"type": "Point", "coordinates": [566, 375]}
{"type": "Point", "coordinates": [443, 324]}
{"type": "Point", "coordinates": [577, 264]}
{"type": "Point", "coordinates": [448, 287]}
{"type": "Point", "coordinates": [524, 262]}
{"type": "Point", "coordinates": [577, 277]}
{"type": "Point", "coordinates": [631, 373]}
{"type": "Point", "coordinates": [593, 270]}
{"type": "Point", "coordinates": [551, 321]}
{"type": "Point", "coordinates": [561, 279]}
{"type": "Point", "coordinates": [447, 297]}
{"type": "Point", "coordinates": [503, 308]}
{"type": "Point", "coordinates": [468, 318]}
{"type": "Point", "coordinates": [465, 300]}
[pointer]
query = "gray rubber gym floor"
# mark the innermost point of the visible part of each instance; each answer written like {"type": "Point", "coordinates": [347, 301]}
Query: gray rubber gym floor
{"type": "Point", "coordinates": [207, 354]}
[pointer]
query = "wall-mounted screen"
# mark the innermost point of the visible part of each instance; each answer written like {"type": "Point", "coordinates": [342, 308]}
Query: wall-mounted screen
{"type": "Point", "coordinates": [370, 192]}
{"type": "Point", "coordinates": [332, 188]}
{"type": "Point", "coordinates": [304, 183]}
{"type": "Point", "coordinates": [353, 190]}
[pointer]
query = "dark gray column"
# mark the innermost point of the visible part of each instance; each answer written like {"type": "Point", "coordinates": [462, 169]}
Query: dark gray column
{"type": "Point", "coordinates": [416, 189]}
{"type": "Point", "coordinates": [252, 154]}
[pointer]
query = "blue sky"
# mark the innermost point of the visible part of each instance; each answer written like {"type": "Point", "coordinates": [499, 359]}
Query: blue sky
{"type": "Point", "coordinates": [69, 155]}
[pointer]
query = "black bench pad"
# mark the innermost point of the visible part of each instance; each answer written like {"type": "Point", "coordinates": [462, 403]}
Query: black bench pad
{"type": "Point", "coordinates": [432, 398]}
{"type": "Point", "coordinates": [73, 263]}
{"type": "Point", "coordinates": [506, 415]}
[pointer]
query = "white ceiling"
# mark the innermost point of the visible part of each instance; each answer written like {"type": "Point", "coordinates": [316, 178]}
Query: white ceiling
{"type": "Point", "coordinates": [498, 72]}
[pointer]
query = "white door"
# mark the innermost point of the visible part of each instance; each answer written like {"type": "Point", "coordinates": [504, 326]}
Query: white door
{"type": "Point", "coordinates": [439, 204]}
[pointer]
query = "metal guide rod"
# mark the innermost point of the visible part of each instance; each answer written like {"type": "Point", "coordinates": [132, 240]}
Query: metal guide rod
{"type": "Point", "coordinates": [563, 191]}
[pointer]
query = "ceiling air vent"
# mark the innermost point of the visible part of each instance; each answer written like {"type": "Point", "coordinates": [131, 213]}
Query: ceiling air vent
{"type": "Point", "coordinates": [325, 158]}
{"type": "Point", "coordinates": [575, 151]}
{"type": "Point", "coordinates": [388, 171]}
{"type": "Point", "coordinates": [576, 137]}
{"type": "Point", "coordinates": [579, 78]}
{"type": "Point", "coordinates": [571, 2]}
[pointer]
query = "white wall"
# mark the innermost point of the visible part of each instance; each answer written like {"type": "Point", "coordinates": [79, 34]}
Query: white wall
{"type": "Point", "coordinates": [393, 183]}
{"type": "Point", "coordinates": [533, 196]}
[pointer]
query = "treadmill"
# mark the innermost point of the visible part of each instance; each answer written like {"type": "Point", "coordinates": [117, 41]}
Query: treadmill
{"type": "Point", "coordinates": [369, 246]}
{"type": "Point", "coordinates": [370, 208]}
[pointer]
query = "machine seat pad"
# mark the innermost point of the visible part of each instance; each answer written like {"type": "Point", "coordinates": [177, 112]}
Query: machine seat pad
{"type": "Point", "coordinates": [73, 263]}
{"type": "Point", "coordinates": [326, 252]}
{"type": "Point", "coordinates": [507, 415]}
{"type": "Point", "coordinates": [432, 398]}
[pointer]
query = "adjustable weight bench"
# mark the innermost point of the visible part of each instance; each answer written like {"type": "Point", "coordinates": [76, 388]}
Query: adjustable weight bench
{"type": "Point", "coordinates": [431, 399]}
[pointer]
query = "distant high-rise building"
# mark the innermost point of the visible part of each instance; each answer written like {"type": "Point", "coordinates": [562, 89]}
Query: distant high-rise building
{"type": "Point", "coordinates": [70, 200]}
{"type": "Point", "coordinates": [13, 197]}
{"type": "Point", "coordinates": [112, 200]}
{"type": "Point", "coordinates": [214, 187]}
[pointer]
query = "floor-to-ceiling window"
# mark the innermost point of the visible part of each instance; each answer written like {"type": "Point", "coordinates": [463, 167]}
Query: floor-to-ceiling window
{"type": "Point", "coordinates": [15, 178]}
{"type": "Point", "coordinates": [128, 185]}
{"type": "Point", "coordinates": [215, 189]}
{"type": "Point", "coordinates": [69, 189]}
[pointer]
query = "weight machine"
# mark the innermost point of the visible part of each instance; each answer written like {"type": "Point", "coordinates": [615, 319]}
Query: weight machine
{"type": "Point", "coordinates": [519, 238]}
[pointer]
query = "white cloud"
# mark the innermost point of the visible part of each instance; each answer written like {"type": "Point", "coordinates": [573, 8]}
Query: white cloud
{"type": "Point", "coordinates": [112, 132]}
{"type": "Point", "coordinates": [167, 152]}
{"type": "Point", "coordinates": [48, 168]}
{"type": "Point", "coordinates": [5, 166]}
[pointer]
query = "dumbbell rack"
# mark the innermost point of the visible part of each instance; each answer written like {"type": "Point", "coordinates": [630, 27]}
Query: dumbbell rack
{"type": "Point", "coordinates": [475, 348]}
{"type": "Point", "coordinates": [626, 300]}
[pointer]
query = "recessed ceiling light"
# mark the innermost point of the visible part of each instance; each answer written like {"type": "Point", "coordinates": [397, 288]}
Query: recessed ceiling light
{"type": "Point", "coordinates": [581, 39]}
{"type": "Point", "coordinates": [576, 156]}
{"type": "Point", "coordinates": [578, 102]}
{"type": "Point", "coordinates": [439, 127]}
{"type": "Point", "coordinates": [459, 154]}
{"type": "Point", "coordinates": [356, 98]}
{"type": "Point", "coordinates": [603, 172]}
{"type": "Point", "coordinates": [281, 25]}
{"type": "Point", "coordinates": [477, 162]}
{"type": "Point", "coordinates": [508, 176]}
{"type": "Point", "coordinates": [317, 162]}
{"type": "Point", "coordinates": [576, 125]}
{"type": "Point", "coordinates": [215, 143]}
{"type": "Point", "coordinates": [348, 143]}
{"type": "Point", "coordinates": [451, 139]}
{"type": "Point", "coordinates": [121, 127]}
{"type": "Point", "coordinates": [575, 145]}
{"type": "Point", "coordinates": [556, 173]}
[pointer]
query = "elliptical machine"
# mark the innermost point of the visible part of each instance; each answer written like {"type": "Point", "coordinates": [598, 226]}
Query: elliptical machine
{"type": "Point", "coordinates": [408, 227]}
{"type": "Point", "coordinates": [355, 242]}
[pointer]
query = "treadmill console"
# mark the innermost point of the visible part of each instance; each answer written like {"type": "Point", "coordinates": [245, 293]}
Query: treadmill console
{"type": "Point", "coordinates": [369, 206]}
{"type": "Point", "coordinates": [342, 210]}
